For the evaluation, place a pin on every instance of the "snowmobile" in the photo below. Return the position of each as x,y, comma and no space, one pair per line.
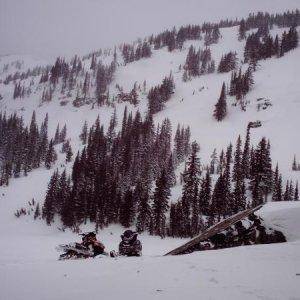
89,247
130,245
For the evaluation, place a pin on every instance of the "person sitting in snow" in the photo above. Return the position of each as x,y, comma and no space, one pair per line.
130,245
89,240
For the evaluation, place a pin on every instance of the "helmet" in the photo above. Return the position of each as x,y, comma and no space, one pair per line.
86,237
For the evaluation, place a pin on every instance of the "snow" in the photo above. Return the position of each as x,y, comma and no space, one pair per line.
29,268
28,260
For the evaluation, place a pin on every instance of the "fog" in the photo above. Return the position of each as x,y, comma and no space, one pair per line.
47,28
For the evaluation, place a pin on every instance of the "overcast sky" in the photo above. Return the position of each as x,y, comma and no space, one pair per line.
47,28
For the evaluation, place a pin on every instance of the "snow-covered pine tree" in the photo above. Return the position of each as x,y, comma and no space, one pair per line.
191,180
296,194
294,166
221,106
49,207
51,155
160,204
205,194
246,155
237,174
127,209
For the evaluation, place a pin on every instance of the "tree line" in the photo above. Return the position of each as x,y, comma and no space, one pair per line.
24,148
126,177
112,177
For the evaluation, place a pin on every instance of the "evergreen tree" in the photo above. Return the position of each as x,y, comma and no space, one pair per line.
246,156
171,172
286,195
213,162
69,154
37,211
237,166
127,209
218,206
205,195
294,166
51,156
221,106
242,30
63,134
277,193
296,194
191,180
143,213
84,133
160,204
56,139
49,207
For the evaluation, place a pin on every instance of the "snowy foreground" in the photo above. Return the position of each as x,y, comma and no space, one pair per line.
29,268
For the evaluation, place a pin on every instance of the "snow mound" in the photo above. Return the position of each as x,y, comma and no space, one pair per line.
283,216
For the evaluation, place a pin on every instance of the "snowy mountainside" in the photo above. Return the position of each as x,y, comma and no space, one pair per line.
193,101
28,258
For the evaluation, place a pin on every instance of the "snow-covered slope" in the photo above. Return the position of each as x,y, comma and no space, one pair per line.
29,269
193,101
28,266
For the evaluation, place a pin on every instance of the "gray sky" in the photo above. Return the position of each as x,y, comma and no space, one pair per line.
47,28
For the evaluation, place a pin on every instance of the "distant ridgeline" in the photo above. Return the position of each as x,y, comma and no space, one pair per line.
85,80
125,177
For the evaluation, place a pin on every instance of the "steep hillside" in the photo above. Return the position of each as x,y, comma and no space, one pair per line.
137,153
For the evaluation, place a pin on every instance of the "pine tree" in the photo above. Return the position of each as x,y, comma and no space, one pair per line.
68,209
218,206
277,193
262,174
205,195
51,156
69,154
296,194
84,133
246,156
49,207
37,212
294,166
174,222
160,204
237,166
63,134
127,209
225,183
86,85
213,162
239,196
242,30
221,106
111,132
143,213
286,195
191,180
171,172
57,136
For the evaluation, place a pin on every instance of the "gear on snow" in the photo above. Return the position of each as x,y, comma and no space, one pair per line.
89,247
